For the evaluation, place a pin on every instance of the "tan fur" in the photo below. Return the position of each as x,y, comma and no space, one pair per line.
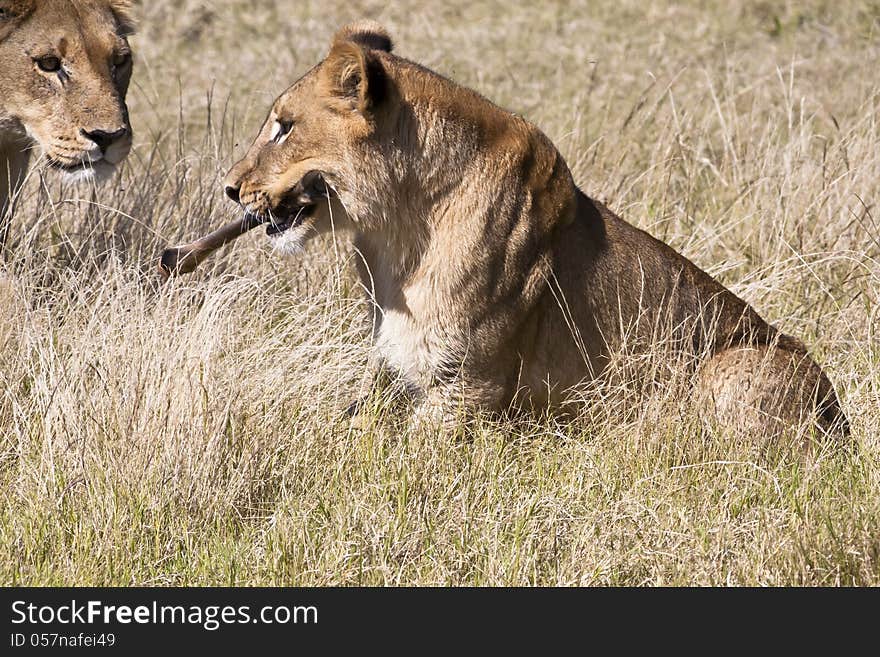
64,112
495,279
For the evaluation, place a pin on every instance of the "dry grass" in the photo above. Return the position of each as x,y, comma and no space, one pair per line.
190,434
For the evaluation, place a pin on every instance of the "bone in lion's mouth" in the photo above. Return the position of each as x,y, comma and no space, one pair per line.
298,204
276,226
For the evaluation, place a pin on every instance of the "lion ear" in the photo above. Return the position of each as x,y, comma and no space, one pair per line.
369,34
123,11
352,75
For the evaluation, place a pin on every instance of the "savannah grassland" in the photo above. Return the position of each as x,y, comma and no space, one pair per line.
191,433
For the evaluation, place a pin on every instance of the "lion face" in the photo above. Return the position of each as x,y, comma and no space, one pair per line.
304,172
65,67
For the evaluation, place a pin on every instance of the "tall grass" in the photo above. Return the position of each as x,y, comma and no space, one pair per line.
191,433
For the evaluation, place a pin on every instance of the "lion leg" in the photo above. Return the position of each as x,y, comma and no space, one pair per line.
370,378
447,406
376,385
766,391
441,408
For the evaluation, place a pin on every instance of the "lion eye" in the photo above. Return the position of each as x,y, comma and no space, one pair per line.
121,59
280,130
48,64
120,63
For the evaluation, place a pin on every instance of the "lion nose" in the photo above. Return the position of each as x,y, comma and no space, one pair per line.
233,193
104,139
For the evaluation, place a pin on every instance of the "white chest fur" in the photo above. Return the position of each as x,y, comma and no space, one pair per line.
413,336
407,348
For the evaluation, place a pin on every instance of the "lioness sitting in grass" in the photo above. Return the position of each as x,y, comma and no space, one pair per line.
65,66
497,282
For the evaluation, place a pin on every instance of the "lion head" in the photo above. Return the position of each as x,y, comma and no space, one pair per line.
309,157
65,67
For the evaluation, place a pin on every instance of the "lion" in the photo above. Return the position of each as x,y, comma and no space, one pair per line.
496,282
65,67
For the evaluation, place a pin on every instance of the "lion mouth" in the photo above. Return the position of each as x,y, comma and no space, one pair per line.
81,168
298,204
74,167
276,225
